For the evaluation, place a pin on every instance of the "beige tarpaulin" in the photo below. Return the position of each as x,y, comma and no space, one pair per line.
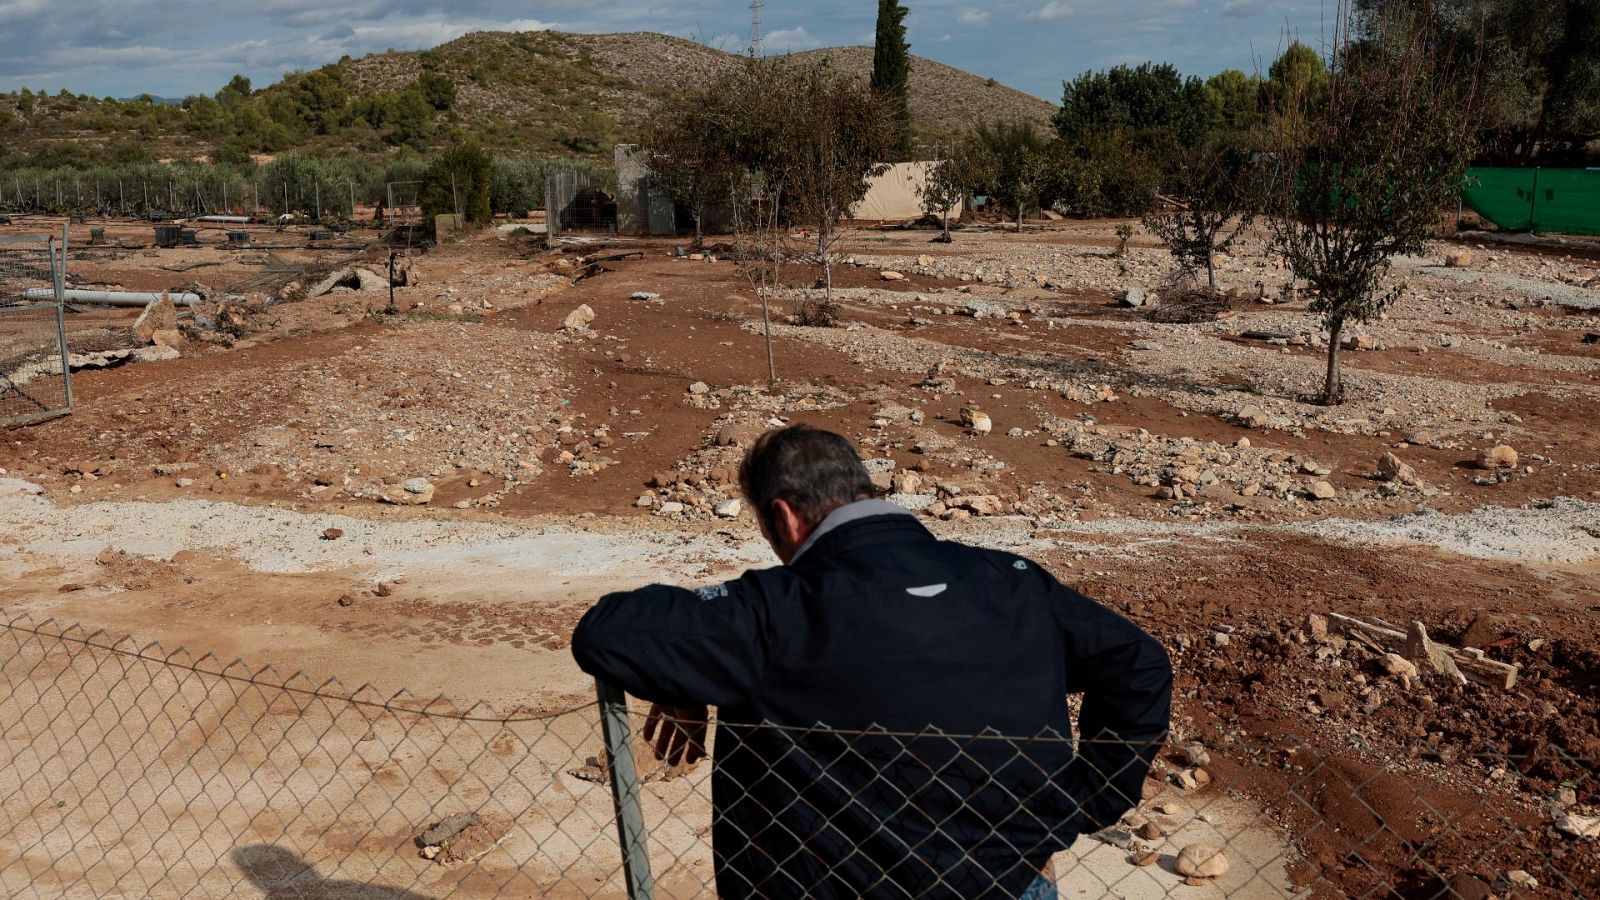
893,195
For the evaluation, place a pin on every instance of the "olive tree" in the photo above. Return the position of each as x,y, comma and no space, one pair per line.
1365,174
1215,202
950,180
836,136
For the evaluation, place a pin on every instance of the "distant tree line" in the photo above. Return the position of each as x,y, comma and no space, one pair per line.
319,186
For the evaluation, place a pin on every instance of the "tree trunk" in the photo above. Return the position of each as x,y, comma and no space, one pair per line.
1019,217
1211,270
766,324
1332,389
947,227
827,263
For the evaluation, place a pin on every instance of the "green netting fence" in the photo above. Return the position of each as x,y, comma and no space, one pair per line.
1566,201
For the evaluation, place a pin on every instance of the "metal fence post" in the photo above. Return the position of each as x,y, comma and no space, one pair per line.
618,733
59,278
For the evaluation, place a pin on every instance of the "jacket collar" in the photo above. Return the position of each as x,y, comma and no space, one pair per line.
851,513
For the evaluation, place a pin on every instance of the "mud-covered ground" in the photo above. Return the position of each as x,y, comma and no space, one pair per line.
487,472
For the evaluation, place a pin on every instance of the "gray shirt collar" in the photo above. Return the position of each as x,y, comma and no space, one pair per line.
844,515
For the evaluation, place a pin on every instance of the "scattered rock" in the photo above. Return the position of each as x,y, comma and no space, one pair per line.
976,420
729,509
739,434
415,485
1316,628
1500,456
891,275
1196,754
1390,468
699,387
1520,878
578,319
642,295
332,534
1462,886
346,600
1132,297
1253,417
1400,668
1578,826
1321,490
159,315
437,834
1428,656
1458,257
1202,861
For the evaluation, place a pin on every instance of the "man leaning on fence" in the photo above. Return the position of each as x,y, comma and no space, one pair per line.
862,689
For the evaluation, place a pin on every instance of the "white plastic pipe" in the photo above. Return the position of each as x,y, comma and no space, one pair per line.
229,220
112,298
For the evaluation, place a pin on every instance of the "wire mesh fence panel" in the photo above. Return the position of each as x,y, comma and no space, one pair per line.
576,203
34,375
130,771
829,812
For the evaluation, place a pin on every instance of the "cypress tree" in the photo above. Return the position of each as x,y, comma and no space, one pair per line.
891,71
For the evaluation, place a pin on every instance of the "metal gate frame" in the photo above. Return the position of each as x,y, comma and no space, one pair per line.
57,252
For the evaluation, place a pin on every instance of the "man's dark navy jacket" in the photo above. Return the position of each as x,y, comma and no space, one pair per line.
878,625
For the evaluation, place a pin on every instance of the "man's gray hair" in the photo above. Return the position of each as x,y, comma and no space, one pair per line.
813,470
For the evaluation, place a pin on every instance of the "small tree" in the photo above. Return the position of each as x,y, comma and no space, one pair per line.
833,140
691,146
1366,172
950,180
1020,163
1217,203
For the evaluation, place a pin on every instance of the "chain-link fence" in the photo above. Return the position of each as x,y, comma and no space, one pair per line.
35,378
575,203
131,771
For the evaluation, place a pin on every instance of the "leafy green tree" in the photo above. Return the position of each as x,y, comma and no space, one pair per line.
1367,172
1144,98
459,176
1297,81
1019,161
319,99
832,143
1105,173
594,133
437,89
690,144
1235,100
891,71
952,179
1540,76
236,91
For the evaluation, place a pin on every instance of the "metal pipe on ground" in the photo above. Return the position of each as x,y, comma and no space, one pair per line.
113,298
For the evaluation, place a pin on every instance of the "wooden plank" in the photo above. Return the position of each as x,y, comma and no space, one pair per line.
1483,671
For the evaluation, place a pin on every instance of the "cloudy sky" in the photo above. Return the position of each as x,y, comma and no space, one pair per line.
176,47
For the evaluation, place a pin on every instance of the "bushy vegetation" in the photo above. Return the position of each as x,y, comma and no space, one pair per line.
290,183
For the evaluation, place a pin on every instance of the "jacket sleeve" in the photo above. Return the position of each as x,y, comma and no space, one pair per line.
675,646
1126,682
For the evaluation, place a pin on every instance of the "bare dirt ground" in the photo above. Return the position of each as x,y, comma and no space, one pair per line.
429,499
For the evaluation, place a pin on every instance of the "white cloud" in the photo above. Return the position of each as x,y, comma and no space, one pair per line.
972,17
785,39
1054,11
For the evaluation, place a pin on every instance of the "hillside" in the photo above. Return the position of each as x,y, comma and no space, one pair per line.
536,87
528,92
